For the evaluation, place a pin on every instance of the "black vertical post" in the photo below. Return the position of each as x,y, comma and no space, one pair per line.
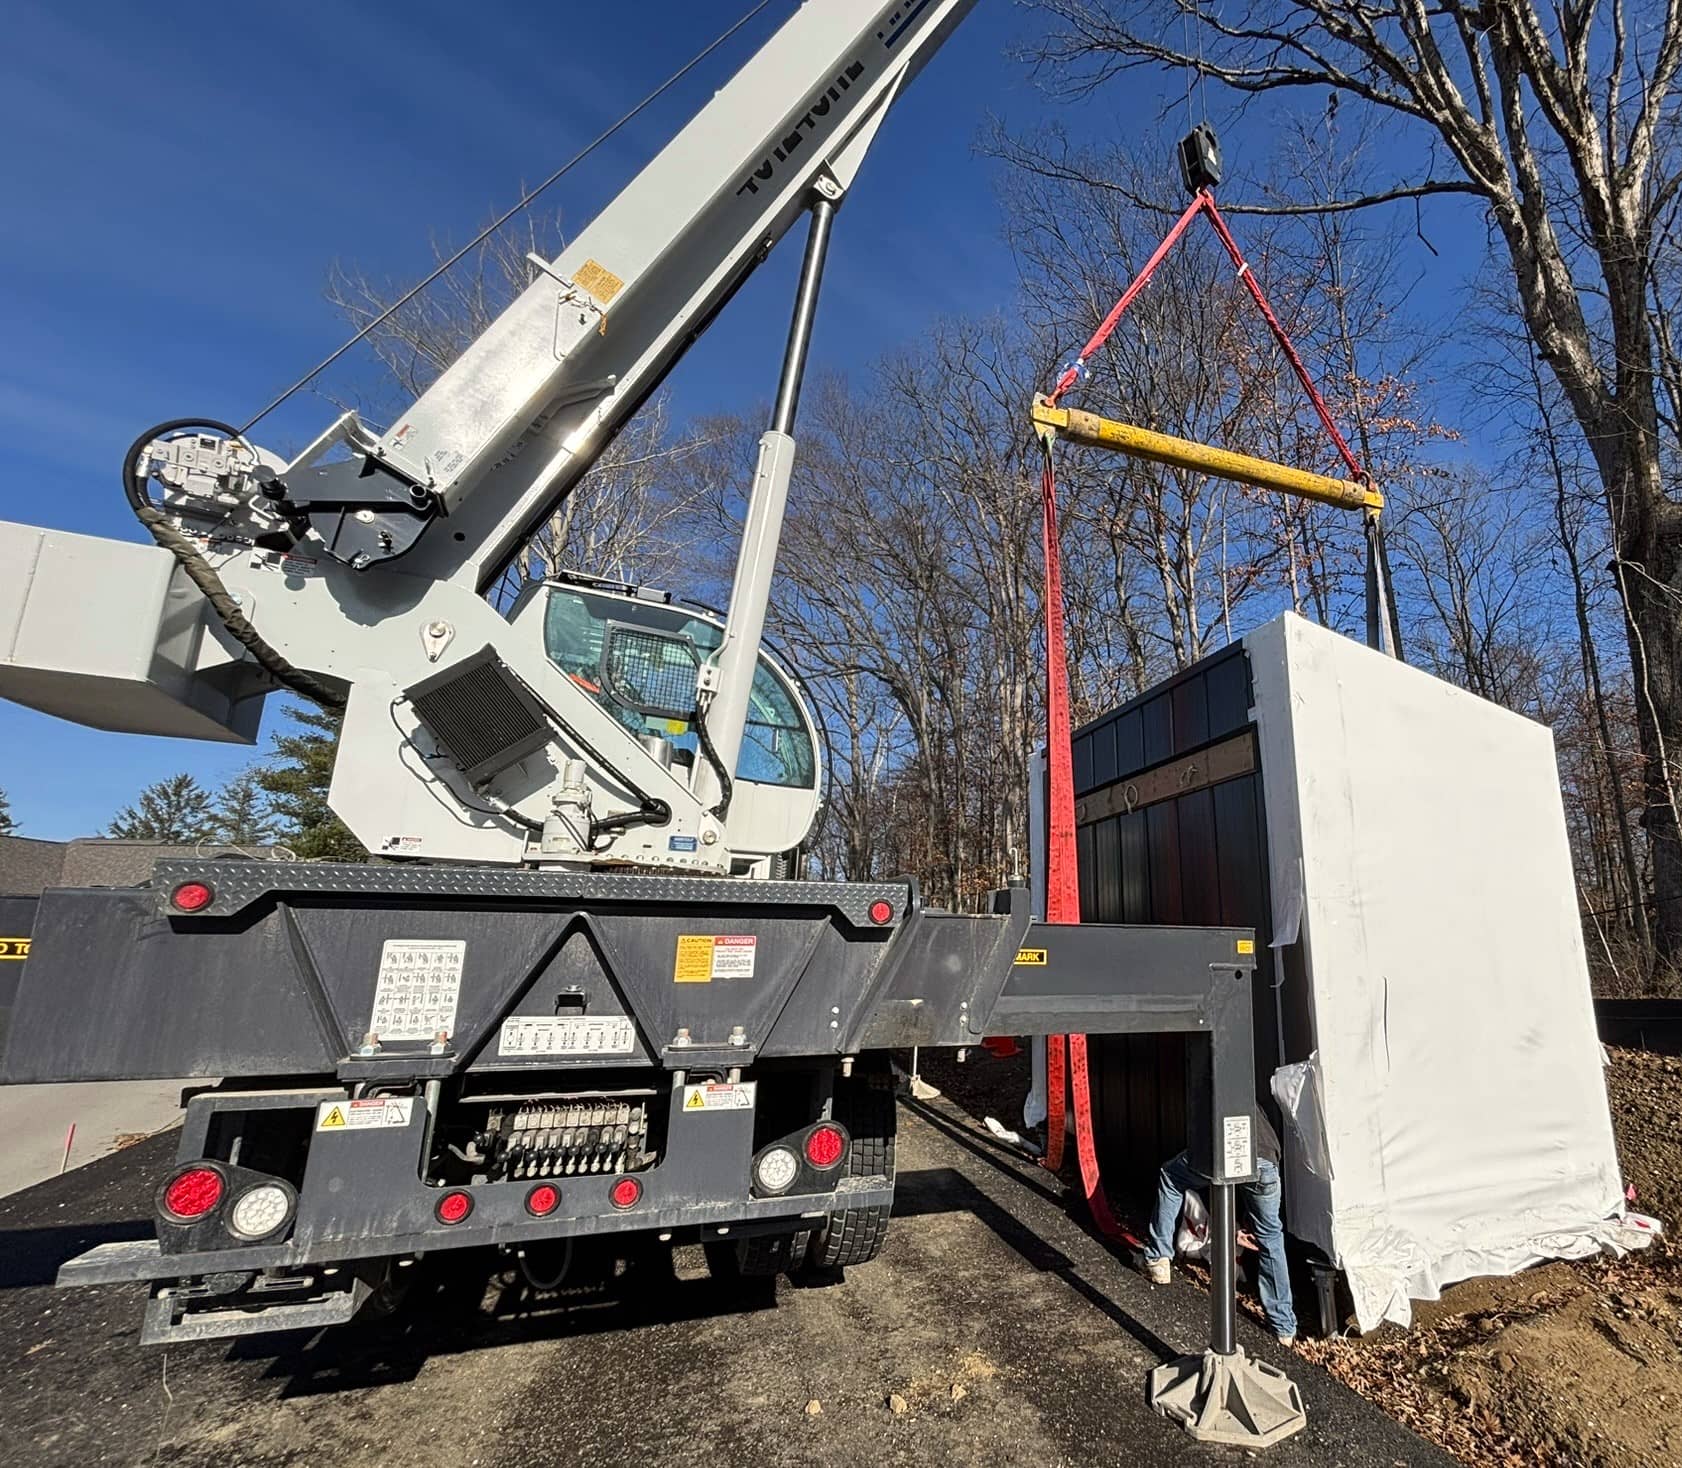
1223,1271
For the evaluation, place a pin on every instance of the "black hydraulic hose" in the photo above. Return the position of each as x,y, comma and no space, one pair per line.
203,575
726,786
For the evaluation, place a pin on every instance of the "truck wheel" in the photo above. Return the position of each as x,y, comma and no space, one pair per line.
771,1254
864,1104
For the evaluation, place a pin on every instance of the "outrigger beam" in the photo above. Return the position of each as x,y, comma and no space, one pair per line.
1180,453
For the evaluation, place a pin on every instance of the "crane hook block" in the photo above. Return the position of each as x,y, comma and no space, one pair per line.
1200,158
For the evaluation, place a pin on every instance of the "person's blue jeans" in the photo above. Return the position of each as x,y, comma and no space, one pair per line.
1260,1202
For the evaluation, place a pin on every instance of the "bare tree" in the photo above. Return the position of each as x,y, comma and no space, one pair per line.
1561,121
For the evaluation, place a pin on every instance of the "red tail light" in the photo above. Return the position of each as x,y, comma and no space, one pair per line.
192,896
453,1207
543,1200
825,1145
191,1193
626,1193
881,912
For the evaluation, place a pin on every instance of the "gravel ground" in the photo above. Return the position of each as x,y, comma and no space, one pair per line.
993,1330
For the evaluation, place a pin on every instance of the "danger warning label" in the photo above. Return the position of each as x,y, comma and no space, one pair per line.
333,1116
720,1097
703,957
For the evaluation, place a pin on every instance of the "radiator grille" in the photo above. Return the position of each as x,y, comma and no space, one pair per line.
481,715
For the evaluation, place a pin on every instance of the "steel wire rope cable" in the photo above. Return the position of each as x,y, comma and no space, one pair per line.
524,202
192,560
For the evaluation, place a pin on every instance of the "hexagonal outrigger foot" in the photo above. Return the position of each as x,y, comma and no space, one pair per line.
1228,1398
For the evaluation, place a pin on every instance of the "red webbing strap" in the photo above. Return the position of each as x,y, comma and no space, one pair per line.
1062,878
1280,335
1140,281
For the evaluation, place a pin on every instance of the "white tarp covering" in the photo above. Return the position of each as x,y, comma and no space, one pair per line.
1453,1119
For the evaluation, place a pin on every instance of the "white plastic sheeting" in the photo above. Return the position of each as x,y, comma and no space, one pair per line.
1453,1119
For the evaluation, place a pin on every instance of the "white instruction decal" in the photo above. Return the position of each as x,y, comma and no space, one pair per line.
738,1097
420,980
572,1034
352,1116
1235,1135
733,955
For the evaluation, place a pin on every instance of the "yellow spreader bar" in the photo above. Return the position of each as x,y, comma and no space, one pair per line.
1182,453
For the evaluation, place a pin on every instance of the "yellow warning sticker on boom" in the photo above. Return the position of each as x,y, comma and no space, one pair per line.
1035,956
14,948
335,1117
601,282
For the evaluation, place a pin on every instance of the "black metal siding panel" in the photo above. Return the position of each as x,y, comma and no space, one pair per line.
1191,713
1158,716
1135,870
1197,858
1228,685
1106,859
1088,873
1129,744
1200,878
1103,755
1082,751
1163,839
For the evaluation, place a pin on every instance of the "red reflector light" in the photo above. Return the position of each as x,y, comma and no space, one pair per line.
626,1192
453,1207
192,1194
824,1145
542,1200
192,896
881,912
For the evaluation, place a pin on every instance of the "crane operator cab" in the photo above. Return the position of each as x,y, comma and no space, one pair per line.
637,655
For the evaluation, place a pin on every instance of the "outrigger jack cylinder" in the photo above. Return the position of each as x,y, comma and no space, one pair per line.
1223,1396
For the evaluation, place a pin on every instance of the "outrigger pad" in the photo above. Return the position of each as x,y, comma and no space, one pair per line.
1228,1399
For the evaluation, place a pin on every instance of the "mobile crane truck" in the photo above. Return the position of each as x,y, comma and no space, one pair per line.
583,991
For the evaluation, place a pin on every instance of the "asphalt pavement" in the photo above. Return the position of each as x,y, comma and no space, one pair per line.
992,1330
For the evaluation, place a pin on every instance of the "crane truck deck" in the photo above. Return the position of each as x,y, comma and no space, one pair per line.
580,990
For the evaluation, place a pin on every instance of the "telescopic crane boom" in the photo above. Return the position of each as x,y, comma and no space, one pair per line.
594,725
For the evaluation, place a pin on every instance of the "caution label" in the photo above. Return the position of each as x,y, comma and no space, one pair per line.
720,1097
1033,956
596,278
375,1111
703,957
14,948
1246,945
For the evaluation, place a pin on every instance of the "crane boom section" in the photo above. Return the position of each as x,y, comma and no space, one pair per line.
511,425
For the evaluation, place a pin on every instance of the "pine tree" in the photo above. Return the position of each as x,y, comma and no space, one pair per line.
8,827
297,784
244,815
178,809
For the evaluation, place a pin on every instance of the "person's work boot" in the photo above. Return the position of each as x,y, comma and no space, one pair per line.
1287,1340
1159,1271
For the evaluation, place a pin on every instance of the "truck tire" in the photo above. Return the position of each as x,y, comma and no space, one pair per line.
864,1104
771,1254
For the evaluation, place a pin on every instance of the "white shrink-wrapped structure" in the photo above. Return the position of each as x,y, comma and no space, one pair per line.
1452,1119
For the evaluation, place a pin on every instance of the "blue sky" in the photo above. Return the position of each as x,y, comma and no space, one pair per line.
180,177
